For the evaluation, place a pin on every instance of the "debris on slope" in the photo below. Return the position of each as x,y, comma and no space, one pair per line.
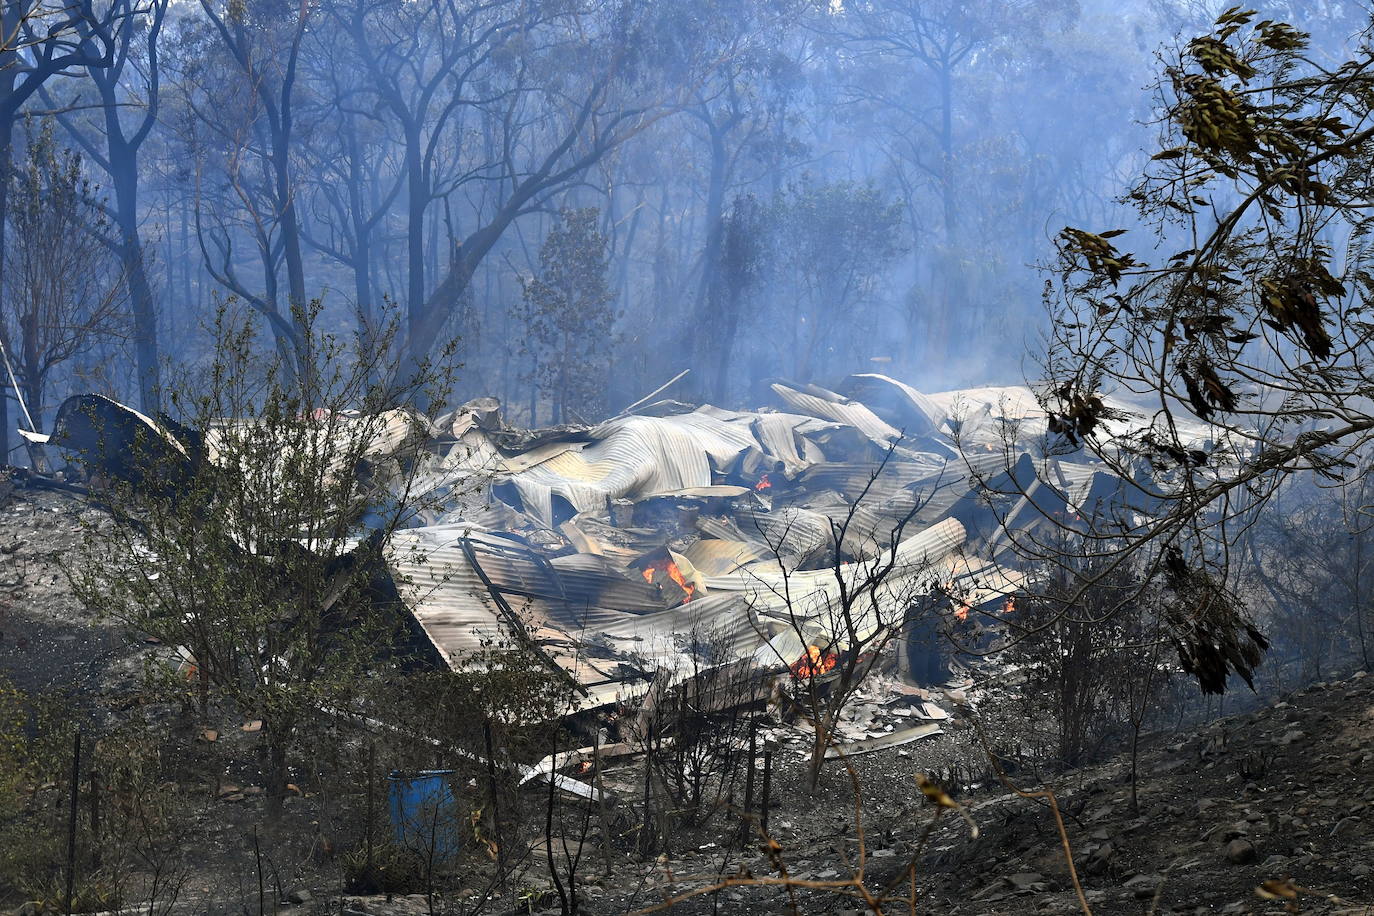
49,640
1278,795
619,552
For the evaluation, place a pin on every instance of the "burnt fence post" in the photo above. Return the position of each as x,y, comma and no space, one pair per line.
495,805
646,831
767,789
71,825
749,779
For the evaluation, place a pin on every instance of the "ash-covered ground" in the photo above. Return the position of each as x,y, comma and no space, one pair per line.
1279,794
49,642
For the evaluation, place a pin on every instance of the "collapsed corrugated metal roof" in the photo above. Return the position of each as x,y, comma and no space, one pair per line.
682,538
697,536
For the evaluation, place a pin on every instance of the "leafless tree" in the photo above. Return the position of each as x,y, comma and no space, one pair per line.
875,584
40,39
128,90
63,287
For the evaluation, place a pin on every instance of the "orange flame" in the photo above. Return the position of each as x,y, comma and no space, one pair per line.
674,573
814,663
764,483
962,610
1009,606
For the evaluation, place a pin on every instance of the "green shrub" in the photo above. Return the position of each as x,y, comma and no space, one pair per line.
393,870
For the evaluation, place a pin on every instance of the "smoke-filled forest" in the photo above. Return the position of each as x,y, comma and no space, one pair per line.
626,456
751,190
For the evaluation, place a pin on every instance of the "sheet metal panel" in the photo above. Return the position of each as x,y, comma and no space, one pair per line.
445,596
850,413
715,557
924,414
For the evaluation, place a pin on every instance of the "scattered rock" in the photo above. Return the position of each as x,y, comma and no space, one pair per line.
1241,852
1100,858
1345,825
1143,887
300,896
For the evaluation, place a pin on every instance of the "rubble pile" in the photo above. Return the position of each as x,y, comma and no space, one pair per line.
680,537
676,538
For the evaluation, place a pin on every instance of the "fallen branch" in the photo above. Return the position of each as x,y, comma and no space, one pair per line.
561,782
655,393
1048,796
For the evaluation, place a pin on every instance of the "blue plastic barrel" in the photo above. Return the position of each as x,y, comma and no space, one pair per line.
424,813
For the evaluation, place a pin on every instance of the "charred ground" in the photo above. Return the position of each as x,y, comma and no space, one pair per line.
1273,794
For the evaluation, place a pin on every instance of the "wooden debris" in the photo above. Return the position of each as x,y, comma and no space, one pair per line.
895,739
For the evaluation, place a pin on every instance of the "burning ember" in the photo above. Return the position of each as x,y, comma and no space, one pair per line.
814,663
1009,606
669,567
962,610
763,484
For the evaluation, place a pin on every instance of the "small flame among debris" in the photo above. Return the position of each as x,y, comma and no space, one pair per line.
814,663
669,567
962,610
1009,606
763,484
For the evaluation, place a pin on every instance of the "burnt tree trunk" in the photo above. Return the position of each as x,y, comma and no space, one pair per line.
708,336
124,178
417,201
6,151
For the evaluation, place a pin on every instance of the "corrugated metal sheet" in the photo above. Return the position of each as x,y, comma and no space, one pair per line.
791,531
853,478
1074,480
641,456
849,413
446,596
715,557
923,415
779,435
536,456
811,598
